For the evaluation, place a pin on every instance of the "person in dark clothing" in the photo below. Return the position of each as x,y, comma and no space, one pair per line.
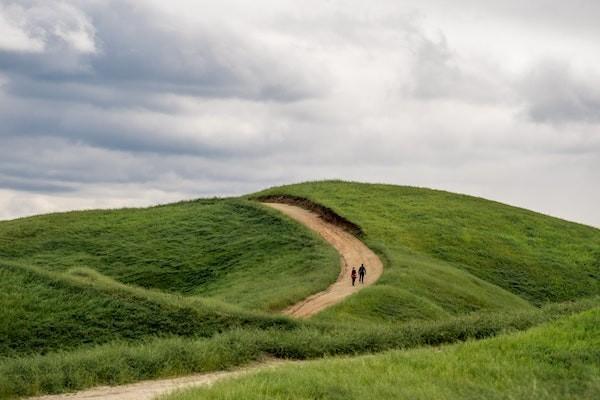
353,275
362,271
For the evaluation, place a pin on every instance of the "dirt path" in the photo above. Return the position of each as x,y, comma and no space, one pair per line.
148,390
352,251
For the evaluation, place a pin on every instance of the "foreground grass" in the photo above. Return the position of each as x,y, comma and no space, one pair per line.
448,254
120,363
560,360
230,250
41,311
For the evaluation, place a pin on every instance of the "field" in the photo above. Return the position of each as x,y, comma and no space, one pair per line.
559,360
119,363
117,296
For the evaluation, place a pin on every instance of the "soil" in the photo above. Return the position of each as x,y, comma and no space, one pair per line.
352,251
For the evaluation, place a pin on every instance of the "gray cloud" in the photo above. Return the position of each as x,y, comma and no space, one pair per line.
111,103
36,186
555,94
137,49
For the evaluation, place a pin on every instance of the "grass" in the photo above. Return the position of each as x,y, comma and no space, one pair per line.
119,363
559,360
230,250
43,311
416,287
449,254
117,296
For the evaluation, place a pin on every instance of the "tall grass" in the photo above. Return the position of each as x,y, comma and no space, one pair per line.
560,360
120,363
44,311
231,250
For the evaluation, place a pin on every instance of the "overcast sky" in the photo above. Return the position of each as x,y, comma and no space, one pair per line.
127,103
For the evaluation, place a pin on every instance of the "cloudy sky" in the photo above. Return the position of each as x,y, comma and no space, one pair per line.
109,103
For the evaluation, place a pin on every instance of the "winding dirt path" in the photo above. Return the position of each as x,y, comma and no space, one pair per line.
148,390
352,251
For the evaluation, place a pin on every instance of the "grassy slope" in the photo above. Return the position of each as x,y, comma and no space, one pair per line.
42,311
119,363
448,254
231,250
215,248
555,361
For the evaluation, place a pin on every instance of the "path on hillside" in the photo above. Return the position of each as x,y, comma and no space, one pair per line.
352,251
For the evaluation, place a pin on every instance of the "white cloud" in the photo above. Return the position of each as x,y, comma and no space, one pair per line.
555,92
79,37
13,36
131,103
38,26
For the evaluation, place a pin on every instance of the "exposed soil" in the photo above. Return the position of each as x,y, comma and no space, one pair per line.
147,390
353,252
326,213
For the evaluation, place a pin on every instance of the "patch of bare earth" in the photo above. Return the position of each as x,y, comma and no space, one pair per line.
352,251
147,390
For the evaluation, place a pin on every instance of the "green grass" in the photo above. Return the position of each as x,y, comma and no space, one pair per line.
116,296
560,360
86,278
43,311
231,250
119,363
449,254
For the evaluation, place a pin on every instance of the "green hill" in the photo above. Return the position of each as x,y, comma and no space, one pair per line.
79,278
230,250
560,360
115,296
448,254
42,311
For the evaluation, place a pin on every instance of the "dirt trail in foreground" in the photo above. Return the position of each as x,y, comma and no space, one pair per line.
148,390
352,251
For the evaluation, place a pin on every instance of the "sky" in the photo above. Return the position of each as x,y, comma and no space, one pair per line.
107,103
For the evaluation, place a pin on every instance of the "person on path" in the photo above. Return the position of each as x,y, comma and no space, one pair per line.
362,271
353,275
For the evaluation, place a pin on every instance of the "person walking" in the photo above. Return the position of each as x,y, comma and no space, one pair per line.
353,275
362,271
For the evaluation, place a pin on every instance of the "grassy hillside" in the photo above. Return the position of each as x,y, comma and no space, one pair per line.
119,363
448,254
42,311
109,297
230,250
560,360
